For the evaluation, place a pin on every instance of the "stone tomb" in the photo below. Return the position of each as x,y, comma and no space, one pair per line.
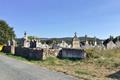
73,53
117,43
111,45
63,45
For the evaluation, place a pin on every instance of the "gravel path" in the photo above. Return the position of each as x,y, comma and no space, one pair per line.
12,69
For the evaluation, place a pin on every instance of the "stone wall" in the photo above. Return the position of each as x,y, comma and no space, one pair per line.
31,53
34,54
42,54
8,49
72,53
51,52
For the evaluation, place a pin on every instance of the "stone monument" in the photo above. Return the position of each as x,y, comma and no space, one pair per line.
95,41
86,46
117,43
26,42
13,45
86,41
75,42
63,44
110,44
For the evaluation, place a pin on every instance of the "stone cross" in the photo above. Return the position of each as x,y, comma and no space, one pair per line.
25,33
75,34
85,37
111,38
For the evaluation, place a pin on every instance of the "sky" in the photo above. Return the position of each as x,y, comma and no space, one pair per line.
61,18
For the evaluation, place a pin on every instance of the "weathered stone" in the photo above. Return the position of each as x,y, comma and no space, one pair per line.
117,43
33,44
95,41
45,46
75,42
13,49
55,46
36,54
63,45
73,53
9,43
26,42
111,45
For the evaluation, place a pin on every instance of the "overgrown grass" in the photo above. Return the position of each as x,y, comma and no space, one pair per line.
107,58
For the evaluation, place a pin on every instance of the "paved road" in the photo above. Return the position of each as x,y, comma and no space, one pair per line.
11,69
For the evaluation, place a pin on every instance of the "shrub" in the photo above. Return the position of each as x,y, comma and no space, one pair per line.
1,47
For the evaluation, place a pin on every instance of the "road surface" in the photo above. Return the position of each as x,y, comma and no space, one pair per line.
12,69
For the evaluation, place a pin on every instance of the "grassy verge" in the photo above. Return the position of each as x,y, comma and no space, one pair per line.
97,66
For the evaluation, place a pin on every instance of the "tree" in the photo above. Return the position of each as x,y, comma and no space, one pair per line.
6,32
33,37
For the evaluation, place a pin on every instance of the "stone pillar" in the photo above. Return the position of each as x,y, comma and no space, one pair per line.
26,42
13,46
13,49
44,56
9,43
95,41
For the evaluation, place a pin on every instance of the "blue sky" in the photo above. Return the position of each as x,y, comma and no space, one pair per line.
61,18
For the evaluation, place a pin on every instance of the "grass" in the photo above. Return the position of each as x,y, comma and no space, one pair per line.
97,65
82,71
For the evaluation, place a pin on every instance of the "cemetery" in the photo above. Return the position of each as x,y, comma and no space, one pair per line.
92,56
35,49
84,58
98,65
59,40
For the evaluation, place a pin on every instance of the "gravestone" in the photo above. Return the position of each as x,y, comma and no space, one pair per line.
45,46
64,44
75,42
86,46
95,41
111,44
117,43
54,45
33,44
38,44
102,46
26,42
